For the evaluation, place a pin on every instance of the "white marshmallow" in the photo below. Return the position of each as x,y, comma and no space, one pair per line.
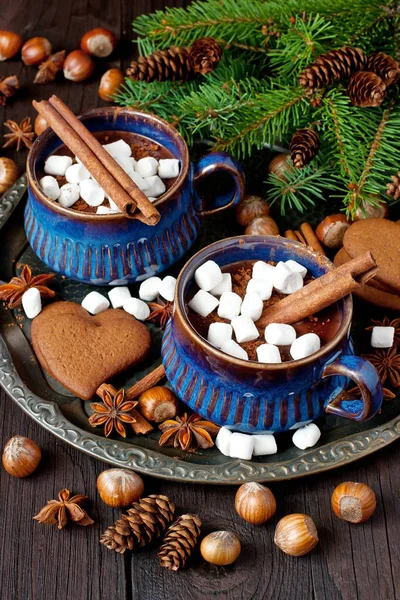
50,186
223,286
118,148
105,210
168,168
113,207
78,160
149,289
262,287
69,194
137,308
285,280
306,437
91,192
244,328
151,198
305,345
143,184
280,334
382,337
223,440
32,303
125,162
147,166
233,349
118,295
203,303
241,446
264,444
268,353
262,270
252,306
229,305
76,173
296,267
155,186
95,303
219,333
208,275
167,288
57,165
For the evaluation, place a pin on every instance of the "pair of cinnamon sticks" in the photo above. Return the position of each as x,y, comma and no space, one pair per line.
117,184
305,236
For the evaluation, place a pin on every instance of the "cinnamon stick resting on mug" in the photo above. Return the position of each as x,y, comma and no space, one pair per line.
321,292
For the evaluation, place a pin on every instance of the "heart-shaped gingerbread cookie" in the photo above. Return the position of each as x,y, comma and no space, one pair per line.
83,351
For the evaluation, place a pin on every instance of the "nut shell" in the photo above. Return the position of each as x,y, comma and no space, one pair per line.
353,502
255,503
220,548
250,208
379,210
10,43
99,42
331,230
35,50
78,66
280,166
21,456
40,125
158,404
8,173
119,487
262,226
296,534
110,83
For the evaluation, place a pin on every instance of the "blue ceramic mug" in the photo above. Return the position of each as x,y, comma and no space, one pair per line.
110,249
249,396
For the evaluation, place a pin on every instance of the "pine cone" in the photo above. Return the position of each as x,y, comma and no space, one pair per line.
366,89
145,521
205,55
179,541
393,189
385,66
332,66
303,147
163,65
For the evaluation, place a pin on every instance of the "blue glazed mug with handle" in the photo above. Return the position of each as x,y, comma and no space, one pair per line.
252,397
110,249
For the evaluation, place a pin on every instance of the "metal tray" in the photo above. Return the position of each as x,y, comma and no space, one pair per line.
67,417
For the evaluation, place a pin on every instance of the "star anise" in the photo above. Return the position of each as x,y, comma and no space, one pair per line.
386,322
21,135
113,412
8,87
387,364
59,511
49,68
13,291
161,312
188,433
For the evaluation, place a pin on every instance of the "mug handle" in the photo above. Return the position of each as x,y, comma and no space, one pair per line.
365,376
220,161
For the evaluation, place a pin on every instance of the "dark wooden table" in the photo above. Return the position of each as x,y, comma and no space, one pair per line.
38,562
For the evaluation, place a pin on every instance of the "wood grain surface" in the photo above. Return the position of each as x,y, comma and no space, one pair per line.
38,562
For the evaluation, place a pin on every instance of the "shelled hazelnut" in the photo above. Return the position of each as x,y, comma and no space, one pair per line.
158,404
220,548
10,43
21,456
8,173
353,502
331,230
99,42
78,66
110,83
296,535
35,50
262,226
250,208
119,487
255,503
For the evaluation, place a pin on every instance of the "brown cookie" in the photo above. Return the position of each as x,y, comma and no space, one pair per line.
83,351
382,238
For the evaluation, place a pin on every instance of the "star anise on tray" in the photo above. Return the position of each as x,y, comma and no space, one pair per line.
8,87
21,135
13,291
58,512
387,364
113,412
49,68
188,433
161,312
386,322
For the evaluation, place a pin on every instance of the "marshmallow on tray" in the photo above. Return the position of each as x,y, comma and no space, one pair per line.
241,446
118,295
95,303
91,192
137,308
252,306
50,187
147,166
219,333
69,194
229,305
244,328
118,148
233,349
149,289
32,303
223,440
168,168
203,303
268,353
285,280
225,285
262,270
305,345
76,173
262,287
208,275
57,165
280,334
382,337
167,288
264,444
296,267
306,437
156,186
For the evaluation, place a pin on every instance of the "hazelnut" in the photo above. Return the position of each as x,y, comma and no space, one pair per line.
296,535
220,548
78,66
40,125
377,209
331,230
21,456
110,83
35,50
280,166
10,43
119,487
255,503
250,208
262,226
158,404
353,502
99,42
8,173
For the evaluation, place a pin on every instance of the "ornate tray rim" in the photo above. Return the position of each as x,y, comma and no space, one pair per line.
317,460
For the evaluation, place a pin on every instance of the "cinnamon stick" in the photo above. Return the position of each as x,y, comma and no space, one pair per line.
300,238
310,238
141,426
321,292
291,235
147,382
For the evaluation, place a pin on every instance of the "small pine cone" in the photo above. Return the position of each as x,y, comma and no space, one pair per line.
332,66
393,189
385,66
303,147
163,65
205,55
179,541
366,89
144,522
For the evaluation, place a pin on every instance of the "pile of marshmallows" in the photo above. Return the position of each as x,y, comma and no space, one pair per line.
286,277
148,174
